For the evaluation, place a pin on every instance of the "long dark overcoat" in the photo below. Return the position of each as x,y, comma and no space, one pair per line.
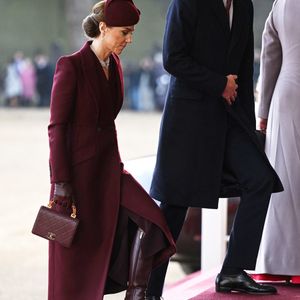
199,51
84,152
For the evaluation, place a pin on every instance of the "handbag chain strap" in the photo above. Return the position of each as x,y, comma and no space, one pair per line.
74,209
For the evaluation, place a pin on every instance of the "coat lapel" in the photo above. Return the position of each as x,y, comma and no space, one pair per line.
120,83
220,12
90,71
239,18
89,65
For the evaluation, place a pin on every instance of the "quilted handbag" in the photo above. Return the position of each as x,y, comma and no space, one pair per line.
56,226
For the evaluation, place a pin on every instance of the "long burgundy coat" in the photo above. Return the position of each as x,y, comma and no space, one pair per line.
84,152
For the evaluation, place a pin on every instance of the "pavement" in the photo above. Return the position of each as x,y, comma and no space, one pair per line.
24,187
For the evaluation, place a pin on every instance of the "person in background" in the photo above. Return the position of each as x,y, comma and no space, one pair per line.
132,79
13,88
122,233
146,85
44,75
279,117
28,78
162,79
208,130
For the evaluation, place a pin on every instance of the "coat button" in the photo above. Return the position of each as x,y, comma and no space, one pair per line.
99,129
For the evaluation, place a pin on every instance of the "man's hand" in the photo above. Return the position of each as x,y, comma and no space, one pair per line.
230,92
263,125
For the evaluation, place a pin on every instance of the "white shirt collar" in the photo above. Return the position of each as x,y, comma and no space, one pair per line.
230,12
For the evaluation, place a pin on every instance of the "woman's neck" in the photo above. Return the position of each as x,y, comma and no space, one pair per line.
100,50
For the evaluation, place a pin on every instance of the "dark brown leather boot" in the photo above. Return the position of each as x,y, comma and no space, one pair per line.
139,271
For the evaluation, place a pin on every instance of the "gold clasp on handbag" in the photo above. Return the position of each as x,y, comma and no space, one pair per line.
50,204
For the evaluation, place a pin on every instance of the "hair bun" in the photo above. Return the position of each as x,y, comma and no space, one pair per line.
90,24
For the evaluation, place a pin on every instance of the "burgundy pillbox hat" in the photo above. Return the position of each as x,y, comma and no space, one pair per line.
121,13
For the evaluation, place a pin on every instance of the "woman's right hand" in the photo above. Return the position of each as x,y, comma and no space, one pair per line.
263,125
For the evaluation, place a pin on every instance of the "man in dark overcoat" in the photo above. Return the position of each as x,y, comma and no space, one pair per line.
208,147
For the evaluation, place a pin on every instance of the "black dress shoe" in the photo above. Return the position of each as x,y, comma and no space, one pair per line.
153,298
243,283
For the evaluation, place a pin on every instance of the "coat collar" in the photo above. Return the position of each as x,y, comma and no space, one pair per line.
89,64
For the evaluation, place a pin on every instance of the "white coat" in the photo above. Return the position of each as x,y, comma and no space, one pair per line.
280,104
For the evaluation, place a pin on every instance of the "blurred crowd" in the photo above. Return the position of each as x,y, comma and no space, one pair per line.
146,84
27,82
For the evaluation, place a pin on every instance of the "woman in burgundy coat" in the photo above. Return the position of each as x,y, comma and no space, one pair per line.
122,234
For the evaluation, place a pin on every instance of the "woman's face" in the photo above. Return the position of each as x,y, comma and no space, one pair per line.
116,39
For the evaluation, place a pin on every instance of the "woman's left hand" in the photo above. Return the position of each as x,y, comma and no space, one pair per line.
263,125
63,189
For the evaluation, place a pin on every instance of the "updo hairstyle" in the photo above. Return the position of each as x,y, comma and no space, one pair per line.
90,24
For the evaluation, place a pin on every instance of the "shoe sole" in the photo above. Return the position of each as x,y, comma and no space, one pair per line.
230,290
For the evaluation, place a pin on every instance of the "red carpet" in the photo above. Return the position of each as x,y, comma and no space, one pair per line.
199,286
